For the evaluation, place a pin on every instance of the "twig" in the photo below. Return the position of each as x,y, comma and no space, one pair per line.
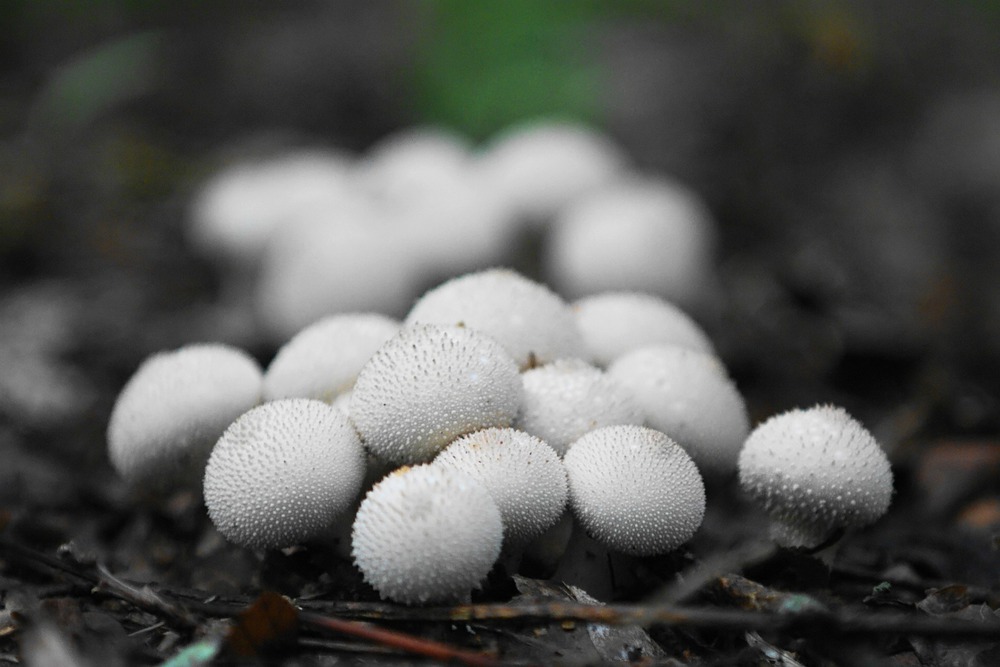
405,642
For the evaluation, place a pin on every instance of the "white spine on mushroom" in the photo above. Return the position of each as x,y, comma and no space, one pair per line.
426,534
634,489
522,473
688,395
569,397
429,385
323,360
813,471
527,318
615,323
283,473
174,408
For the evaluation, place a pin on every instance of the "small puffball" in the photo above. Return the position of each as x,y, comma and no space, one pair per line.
533,323
613,323
429,385
634,489
688,395
569,397
643,235
426,534
540,167
323,360
813,471
523,475
240,208
174,407
283,473
412,164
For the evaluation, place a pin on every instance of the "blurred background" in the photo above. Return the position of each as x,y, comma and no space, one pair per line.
848,152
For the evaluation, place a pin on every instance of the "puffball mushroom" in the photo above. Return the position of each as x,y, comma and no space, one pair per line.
614,323
533,323
283,473
815,471
522,473
568,397
427,386
174,407
641,234
634,489
539,167
426,534
689,396
323,360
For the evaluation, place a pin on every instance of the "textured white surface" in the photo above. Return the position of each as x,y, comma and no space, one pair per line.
283,473
569,397
540,167
174,407
614,323
688,395
426,534
644,235
429,385
634,489
525,317
522,473
323,360
815,470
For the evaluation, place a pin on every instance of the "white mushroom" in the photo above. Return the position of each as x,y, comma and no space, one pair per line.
429,385
815,471
426,534
689,396
283,473
646,235
523,475
569,397
528,319
634,489
323,360
614,323
174,407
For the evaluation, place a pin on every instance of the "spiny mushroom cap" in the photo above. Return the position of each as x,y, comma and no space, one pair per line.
522,473
815,470
541,166
643,235
283,473
614,323
323,360
426,534
239,209
174,407
527,318
688,395
429,385
634,489
569,397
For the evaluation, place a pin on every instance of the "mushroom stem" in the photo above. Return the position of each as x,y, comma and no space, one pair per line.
591,566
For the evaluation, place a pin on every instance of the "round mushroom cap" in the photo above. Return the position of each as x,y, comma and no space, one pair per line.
689,396
523,475
240,208
283,473
426,534
427,386
813,471
539,167
569,397
634,489
533,323
644,235
174,407
323,360
614,323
